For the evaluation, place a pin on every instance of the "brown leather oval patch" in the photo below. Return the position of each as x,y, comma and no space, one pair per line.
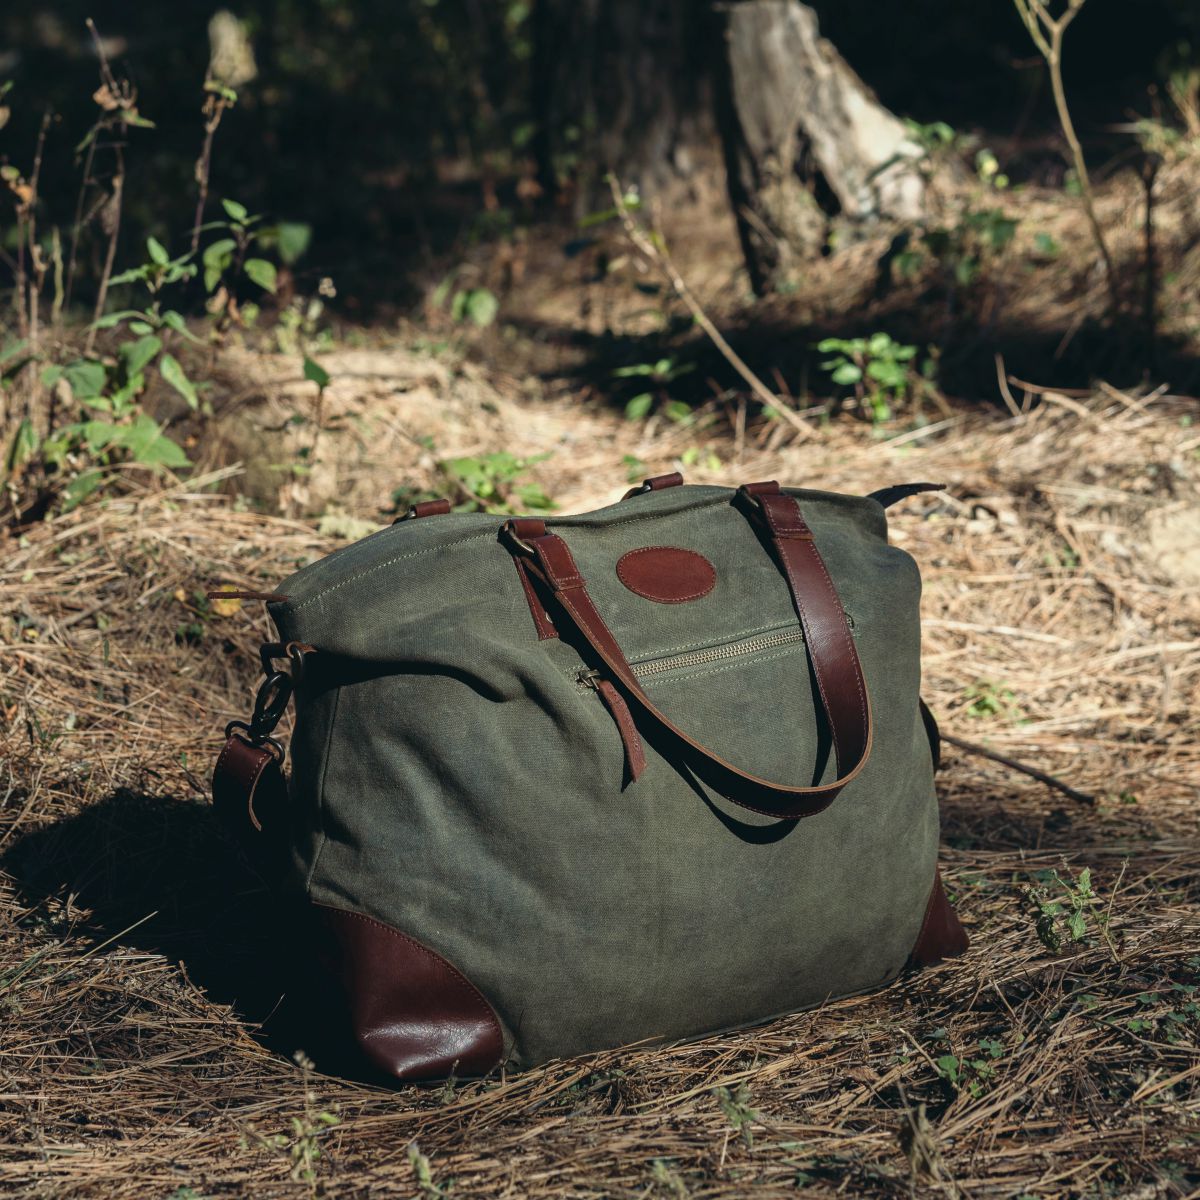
667,574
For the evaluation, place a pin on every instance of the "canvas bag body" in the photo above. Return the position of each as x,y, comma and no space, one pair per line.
460,799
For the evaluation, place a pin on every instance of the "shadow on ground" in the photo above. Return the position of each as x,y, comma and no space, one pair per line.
158,874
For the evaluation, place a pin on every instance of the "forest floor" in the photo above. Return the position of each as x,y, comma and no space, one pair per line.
1062,628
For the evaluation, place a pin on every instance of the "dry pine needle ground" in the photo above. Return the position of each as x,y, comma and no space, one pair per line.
1062,629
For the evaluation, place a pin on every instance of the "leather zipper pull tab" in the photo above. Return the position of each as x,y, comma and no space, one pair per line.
635,754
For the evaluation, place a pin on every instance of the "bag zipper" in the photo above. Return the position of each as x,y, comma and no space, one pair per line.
698,658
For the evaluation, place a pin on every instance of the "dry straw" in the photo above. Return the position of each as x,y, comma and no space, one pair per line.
1062,628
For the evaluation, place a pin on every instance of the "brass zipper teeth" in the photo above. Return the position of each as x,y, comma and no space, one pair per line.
697,658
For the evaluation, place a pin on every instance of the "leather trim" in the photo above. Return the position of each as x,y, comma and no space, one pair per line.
656,483
413,1014
635,752
248,789
831,650
667,574
942,935
537,610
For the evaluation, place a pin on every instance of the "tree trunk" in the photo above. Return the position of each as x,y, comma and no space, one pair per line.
619,85
804,139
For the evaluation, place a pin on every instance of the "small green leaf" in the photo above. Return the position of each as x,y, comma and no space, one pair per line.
86,378
173,373
22,448
173,320
216,258
847,373
262,272
80,488
292,238
639,407
138,355
12,350
148,445
316,373
115,318
481,307
158,252
99,434
235,211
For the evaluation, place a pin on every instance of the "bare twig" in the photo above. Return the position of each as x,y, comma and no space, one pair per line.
653,248
1023,768
1047,34
215,104
113,220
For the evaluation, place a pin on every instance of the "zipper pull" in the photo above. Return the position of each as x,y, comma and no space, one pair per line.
635,754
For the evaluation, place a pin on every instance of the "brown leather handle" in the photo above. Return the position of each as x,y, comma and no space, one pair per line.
656,483
831,651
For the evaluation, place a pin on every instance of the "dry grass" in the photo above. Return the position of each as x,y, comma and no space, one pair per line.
132,947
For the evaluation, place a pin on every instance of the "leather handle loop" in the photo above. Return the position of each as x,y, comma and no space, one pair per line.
656,483
831,651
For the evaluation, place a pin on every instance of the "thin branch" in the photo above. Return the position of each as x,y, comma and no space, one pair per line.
114,220
1047,34
1024,769
215,105
653,248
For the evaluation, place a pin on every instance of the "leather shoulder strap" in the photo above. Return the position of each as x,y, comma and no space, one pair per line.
842,686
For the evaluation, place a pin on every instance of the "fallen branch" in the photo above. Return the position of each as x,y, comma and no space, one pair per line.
1014,765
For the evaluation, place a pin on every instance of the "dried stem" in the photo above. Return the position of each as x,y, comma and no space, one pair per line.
215,105
1047,34
36,260
77,223
653,248
113,209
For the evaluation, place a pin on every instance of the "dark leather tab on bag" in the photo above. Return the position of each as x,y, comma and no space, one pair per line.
249,796
412,1014
942,935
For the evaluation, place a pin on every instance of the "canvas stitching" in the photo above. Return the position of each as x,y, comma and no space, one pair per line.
322,835
478,537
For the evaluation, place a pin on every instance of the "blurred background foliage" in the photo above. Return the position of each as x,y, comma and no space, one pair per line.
395,128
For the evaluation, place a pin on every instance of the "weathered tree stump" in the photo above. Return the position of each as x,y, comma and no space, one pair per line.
805,139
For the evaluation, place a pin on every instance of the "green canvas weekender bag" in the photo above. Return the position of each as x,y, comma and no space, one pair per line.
568,783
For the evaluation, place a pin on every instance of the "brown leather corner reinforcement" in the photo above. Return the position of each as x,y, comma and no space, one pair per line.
942,935
413,1014
667,574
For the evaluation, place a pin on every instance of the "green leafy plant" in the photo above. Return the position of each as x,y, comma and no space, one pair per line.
1066,910
736,1107
493,483
972,1074
656,379
880,371
987,699
476,305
